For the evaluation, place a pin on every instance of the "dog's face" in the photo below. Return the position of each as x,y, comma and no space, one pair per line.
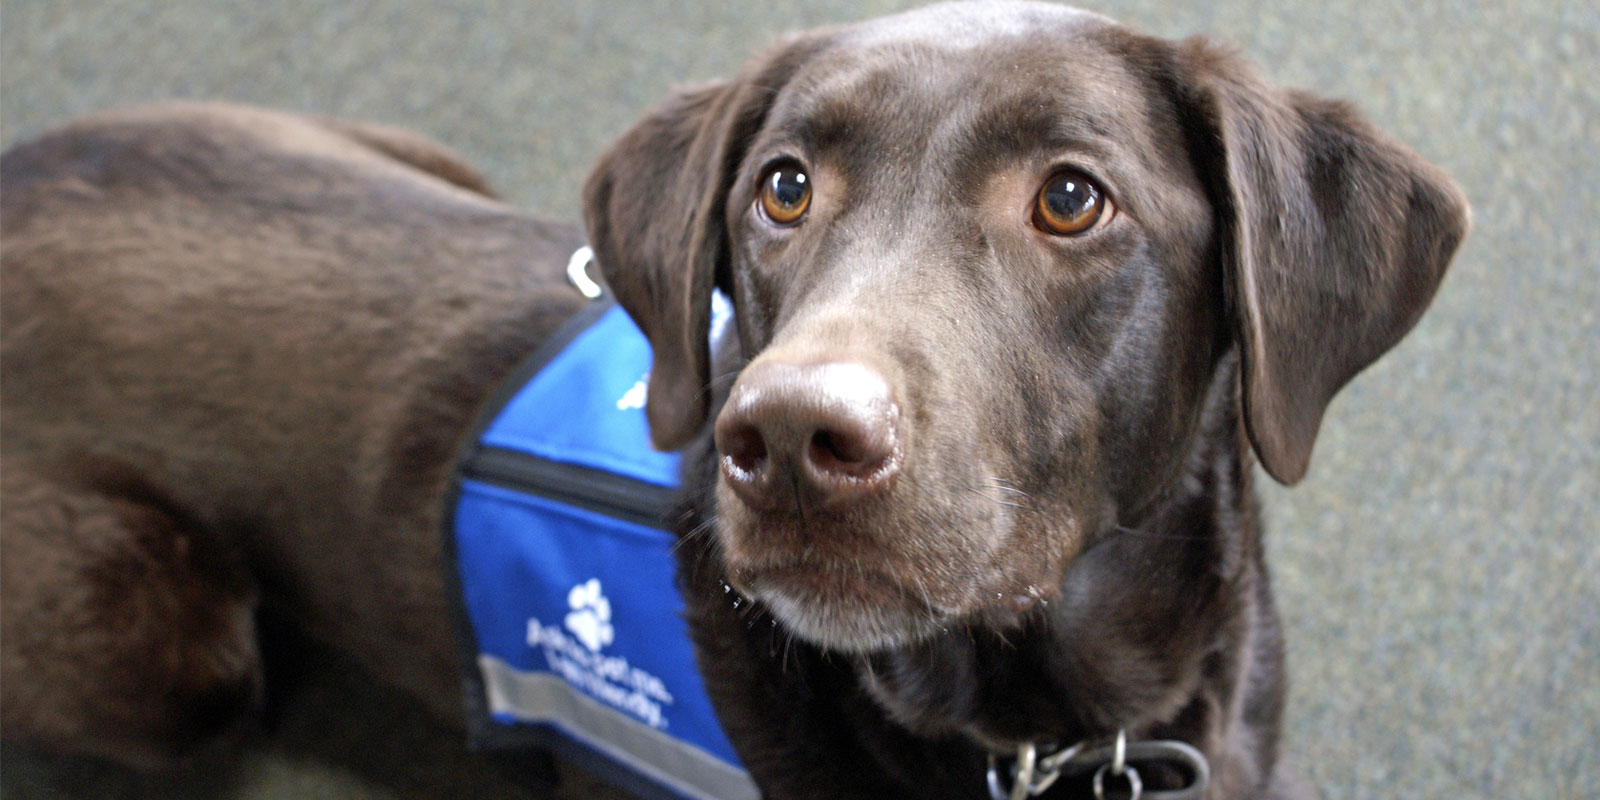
986,259
989,224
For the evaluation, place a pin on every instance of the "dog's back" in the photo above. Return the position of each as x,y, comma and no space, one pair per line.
239,347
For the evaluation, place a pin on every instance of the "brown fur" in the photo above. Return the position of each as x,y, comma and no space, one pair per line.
240,348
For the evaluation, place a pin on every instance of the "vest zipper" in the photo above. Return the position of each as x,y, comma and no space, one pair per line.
595,490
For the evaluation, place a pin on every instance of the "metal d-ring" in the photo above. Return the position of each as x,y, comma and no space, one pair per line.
1135,786
1118,766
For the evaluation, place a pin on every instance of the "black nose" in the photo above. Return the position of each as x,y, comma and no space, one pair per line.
818,434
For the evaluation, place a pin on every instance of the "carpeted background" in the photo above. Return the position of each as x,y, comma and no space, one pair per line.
1439,571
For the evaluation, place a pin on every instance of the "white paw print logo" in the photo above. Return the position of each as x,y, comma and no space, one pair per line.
635,396
590,618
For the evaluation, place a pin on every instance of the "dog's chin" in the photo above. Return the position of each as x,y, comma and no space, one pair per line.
843,613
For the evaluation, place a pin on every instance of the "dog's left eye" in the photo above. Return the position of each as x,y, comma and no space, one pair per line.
785,194
1070,203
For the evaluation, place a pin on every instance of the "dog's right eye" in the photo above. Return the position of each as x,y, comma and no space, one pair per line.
1070,203
785,194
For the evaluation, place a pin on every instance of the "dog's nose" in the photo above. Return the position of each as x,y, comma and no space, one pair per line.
811,434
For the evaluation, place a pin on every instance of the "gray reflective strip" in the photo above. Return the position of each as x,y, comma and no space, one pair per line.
542,697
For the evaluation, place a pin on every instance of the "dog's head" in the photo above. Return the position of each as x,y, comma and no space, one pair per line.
986,260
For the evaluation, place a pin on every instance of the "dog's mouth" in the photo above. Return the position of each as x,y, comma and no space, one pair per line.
879,577
863,590
847,608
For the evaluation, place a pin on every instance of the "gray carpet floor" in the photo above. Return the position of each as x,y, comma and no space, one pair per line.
1439,570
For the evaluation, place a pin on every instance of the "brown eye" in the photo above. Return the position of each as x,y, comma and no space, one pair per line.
785,194
1069,203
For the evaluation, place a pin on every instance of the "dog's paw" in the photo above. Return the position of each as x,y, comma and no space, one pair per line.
590,618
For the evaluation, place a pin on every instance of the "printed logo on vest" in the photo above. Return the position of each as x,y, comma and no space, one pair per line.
590,619
635,396
578,660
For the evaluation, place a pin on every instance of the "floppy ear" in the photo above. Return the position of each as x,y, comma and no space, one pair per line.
1333,238
655,209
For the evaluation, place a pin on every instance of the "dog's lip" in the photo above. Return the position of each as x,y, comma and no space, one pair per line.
826,583
839,608
841,587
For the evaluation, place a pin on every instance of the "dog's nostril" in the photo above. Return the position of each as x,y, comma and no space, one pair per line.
825,447
745,449
836,452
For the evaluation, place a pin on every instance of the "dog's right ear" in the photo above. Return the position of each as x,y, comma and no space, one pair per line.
655,209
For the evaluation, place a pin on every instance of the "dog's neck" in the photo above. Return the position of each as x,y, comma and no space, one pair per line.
1137,639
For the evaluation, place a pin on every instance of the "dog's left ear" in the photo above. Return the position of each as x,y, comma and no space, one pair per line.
1333,238
655,208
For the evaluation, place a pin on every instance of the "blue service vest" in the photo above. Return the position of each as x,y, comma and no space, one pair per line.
572,624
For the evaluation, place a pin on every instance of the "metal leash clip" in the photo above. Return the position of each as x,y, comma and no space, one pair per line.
1032,776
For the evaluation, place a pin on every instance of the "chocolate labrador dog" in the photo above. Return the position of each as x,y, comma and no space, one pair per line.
1021,297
